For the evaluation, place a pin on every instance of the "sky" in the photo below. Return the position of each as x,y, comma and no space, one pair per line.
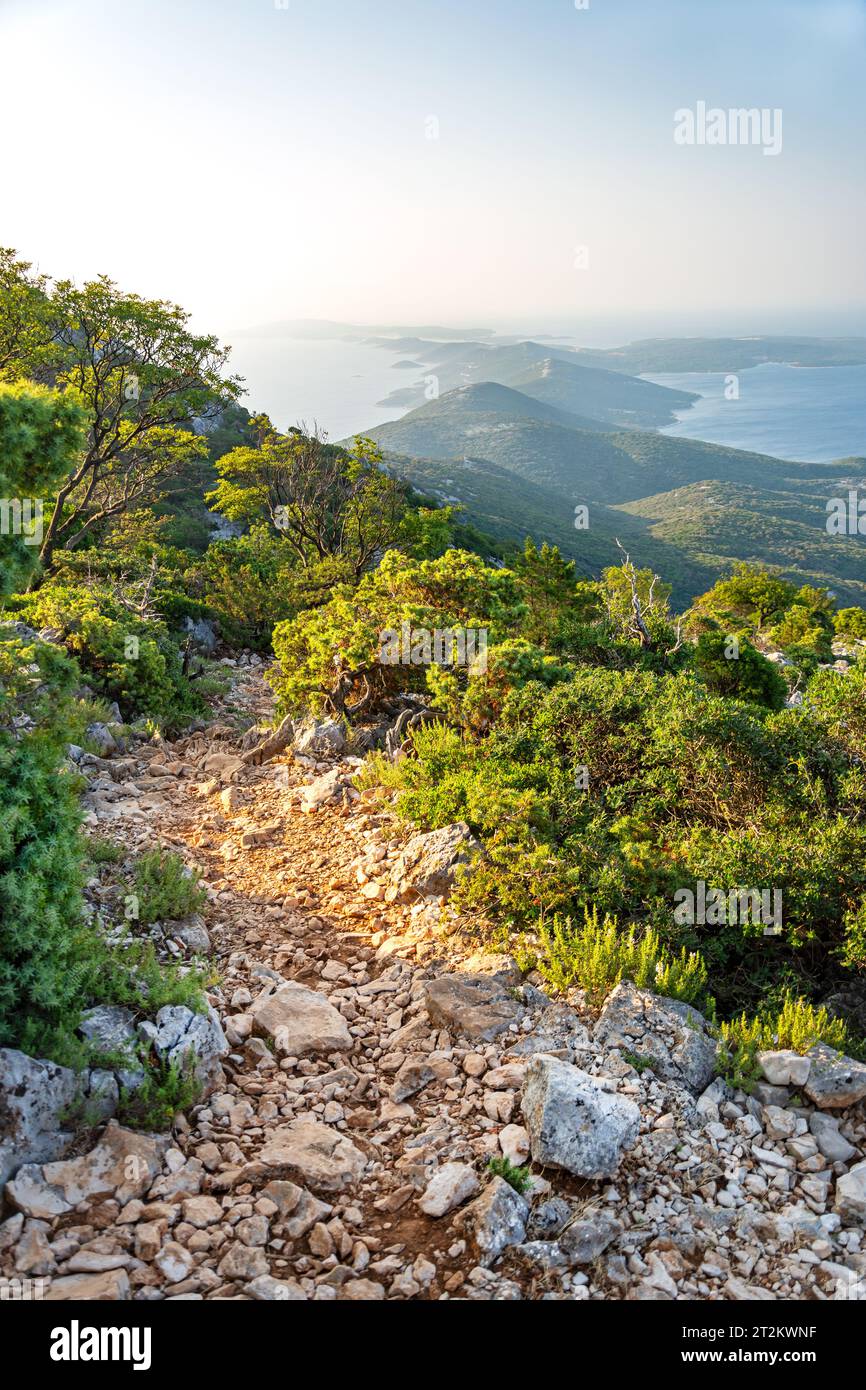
503,162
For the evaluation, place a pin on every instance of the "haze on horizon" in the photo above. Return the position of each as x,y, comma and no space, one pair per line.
414,162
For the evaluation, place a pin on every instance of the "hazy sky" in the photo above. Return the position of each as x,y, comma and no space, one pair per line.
257,163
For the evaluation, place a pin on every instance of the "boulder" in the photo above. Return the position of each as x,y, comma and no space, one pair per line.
36,1098
573,1123
785,1068
110,1287
450,1186
300,1021
121,1166
330,787
674,1036
477,1007
310,1153
833,1145
321,740
428,863
179,1036
835,1081
495,1220
110,1028
192,932
851,1195
585,1239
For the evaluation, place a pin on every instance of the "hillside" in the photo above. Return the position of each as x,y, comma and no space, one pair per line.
725,354
549,374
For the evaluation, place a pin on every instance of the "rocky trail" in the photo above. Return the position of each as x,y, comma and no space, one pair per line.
366,1067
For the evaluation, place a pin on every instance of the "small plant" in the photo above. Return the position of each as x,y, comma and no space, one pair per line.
518,1178
640,1064
797,1027
103,851
170,1088
166,889
596,956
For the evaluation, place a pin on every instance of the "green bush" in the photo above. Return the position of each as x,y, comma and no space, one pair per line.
596,956
165,889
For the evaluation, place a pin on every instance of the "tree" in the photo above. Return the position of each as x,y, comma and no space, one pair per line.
41,434
325,501
25,329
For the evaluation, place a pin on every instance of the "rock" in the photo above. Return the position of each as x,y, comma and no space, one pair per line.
312,1153
192,934
549,1218
572,1122
111,1029
202,634
35,1098
514,1143
427,865
835,1081
851,1195
225,767
323,740
785,1068
449,1187
363,1291
674,1036
330,787
833,1145
269,1290
496,1219
100,734
243,1262
202,1211
180,1036
110,1287
584,1240
412,1077
121,1166
300,1021
33,1255
173,1262
473,1006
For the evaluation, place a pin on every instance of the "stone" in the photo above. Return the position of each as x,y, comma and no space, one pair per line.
412,1077
473,1006
363,1291
833,1145
173,1262
110,1287
319,792
35,1098
449,1187
33,1255
320,740
427,865
300,1021
835,1081
850,1200
585,1239
674,1036
315,1154
785,1068
514,1143
202,1211
121,1166
269,1290
111,1029
573,1123
192,934
495,1220
245,1262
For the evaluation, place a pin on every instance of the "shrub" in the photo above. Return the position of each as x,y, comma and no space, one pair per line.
518,1178
167,891
597,956
745,675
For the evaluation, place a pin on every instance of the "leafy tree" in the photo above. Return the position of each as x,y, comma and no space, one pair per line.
325,501
40,435
141,377
25,329
751,595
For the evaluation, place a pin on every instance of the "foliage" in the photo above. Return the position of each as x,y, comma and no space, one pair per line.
166,890
518,1178
596,956
168,1089
730,665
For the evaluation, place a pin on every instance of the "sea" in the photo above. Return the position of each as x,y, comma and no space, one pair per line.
812,414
